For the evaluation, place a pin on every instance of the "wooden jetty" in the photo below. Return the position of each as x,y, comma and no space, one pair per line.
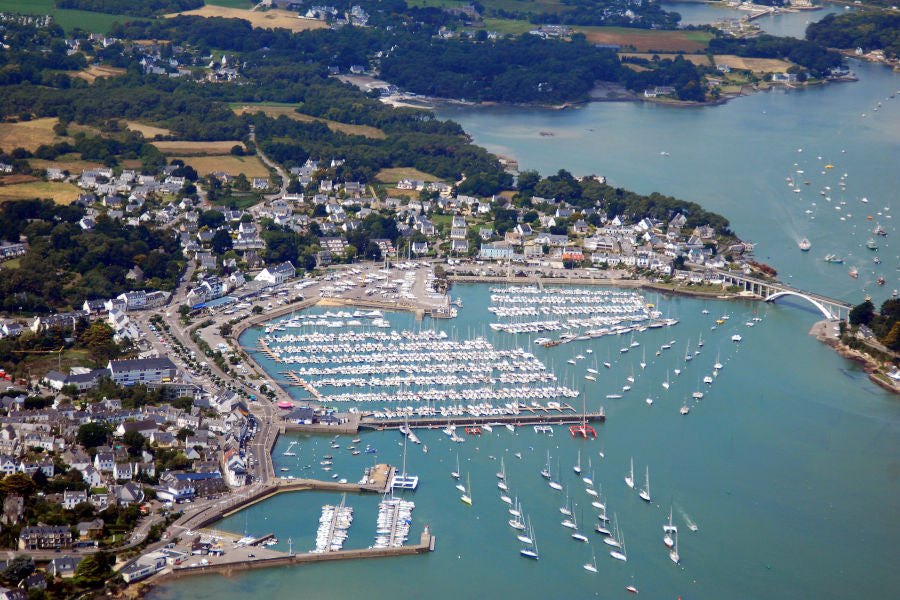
438,421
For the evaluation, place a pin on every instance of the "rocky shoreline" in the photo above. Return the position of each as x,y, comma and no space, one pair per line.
868,364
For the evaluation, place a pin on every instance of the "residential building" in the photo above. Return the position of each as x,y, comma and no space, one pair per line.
142,370
45,537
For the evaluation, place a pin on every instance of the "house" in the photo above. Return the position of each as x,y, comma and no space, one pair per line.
45,537
129,493
278,274
498,251
145,566
90,530
122,471
142,370
104,462
485,233
92,477
459,246
458,233
419,248
63,566
73,497
260,183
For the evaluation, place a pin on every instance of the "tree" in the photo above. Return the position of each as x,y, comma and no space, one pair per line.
18,483
91,435
18,569
862,314
221,242
94,568
134,440
183,433
98,338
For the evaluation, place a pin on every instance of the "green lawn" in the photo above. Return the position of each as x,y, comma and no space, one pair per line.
68,19
508,26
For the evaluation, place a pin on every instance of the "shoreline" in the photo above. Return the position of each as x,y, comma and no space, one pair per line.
820,331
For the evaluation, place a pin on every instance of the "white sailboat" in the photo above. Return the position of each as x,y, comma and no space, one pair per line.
526,538
532,551
629,480
669,531
577,467
665,383
556,485
591,566
589,480
467,496
455,474
645,493
578,536
502,474
545,473
565,509
644,359
673,555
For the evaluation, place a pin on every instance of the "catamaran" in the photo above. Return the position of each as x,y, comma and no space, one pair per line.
629,479
645,493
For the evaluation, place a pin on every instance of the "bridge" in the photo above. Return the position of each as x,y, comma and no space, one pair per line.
771,291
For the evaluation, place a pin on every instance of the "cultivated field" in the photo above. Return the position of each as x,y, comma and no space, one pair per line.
396,174
270,19
67,162
28,134
276,111
61,193
95,71
148,131
757,65
194,148
233,165
64,17
697,59
647,40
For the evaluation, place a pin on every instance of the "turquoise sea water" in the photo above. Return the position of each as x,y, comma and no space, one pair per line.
789,466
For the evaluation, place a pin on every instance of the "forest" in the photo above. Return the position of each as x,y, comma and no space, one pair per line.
65,264
885,324
137,8
869,30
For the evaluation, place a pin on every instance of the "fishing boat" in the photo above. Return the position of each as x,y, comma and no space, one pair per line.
467,496
804,245
669,531
872,244
649,401
834,259
629,479
880,281
645,492
879,230
854,273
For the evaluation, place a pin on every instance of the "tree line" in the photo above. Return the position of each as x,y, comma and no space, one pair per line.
869,30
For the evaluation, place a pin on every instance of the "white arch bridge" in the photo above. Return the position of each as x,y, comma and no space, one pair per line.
771,291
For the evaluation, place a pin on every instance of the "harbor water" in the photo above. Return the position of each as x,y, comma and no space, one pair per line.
787,467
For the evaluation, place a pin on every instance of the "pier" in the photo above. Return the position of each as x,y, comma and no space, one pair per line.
438,422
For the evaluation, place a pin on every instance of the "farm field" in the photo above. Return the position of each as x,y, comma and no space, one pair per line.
233,165
396,174
61,193
95,71
68,19
28,134
270,19
194,148
148,131
276,110
67,162
648,40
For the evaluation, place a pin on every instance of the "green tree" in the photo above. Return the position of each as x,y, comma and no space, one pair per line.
91,435
183,433
98,339
18,483
18,569
221,242
134,441
94,568
863,313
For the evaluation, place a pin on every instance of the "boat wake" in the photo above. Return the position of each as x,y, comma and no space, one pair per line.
688,521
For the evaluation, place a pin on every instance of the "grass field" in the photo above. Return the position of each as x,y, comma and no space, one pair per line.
536,6
67,162
195,148
648,40
232,3
148,131
697,59
28,134
270,19
67,19
233,165
276,110
508,26
757,65
61,193
396,174
95,71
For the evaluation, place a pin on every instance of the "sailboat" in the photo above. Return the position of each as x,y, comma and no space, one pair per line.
455,474
668,531
698,395
467,496
629,480
516,523
403,481
717,366
616,541
555,484
591,566
526,538
565,508
673,555
687,351
502,474
644,359
601,527
645,493
589,480
545,473
665,383
700,341
578,536
684,408
577,467
531,552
